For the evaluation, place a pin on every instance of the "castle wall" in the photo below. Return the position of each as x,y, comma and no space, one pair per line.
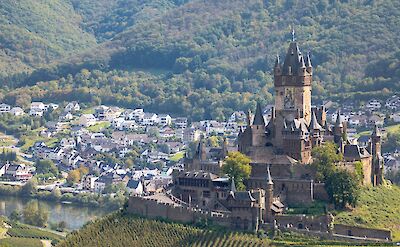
362,232
153,209
320,192
312,223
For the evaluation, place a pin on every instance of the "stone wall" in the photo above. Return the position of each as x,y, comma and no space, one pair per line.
153,209
312,223
320,192
362,232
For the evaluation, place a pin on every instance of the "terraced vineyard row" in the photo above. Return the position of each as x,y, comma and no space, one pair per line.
118,230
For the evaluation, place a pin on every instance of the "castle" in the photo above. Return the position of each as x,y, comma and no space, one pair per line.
280,152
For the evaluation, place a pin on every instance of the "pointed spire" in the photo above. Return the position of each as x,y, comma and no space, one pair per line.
249,116
277,61
376,132
308,60
314,125
269,176
258,117
233,186
293,35
338,122
302,64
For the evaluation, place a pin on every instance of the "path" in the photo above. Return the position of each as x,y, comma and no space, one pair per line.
46,243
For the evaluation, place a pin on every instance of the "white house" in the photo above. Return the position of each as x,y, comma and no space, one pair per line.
4,108
57,154
373,105
38,106
17,111
72,107
395,117
88,182
18,172
86,120
149,119
164,119
135,187
66,116
67,143
37,109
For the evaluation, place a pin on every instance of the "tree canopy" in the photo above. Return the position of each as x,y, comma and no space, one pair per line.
237,166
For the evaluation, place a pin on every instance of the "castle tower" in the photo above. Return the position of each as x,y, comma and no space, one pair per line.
315,131
377,159
202,152
269,196
338,130
292,81
258,128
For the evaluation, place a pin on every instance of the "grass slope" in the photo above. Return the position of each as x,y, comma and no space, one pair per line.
378,207
20,242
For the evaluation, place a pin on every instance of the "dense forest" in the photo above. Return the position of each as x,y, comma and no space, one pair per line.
202,58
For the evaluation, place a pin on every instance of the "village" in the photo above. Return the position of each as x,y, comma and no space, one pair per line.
137,151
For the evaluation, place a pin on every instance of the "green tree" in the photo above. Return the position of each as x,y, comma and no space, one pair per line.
343,188
30,188
46,166
74,177
341,185
325,157
237,166
16,215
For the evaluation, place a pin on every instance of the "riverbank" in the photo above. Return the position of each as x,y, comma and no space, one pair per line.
72,216
112,202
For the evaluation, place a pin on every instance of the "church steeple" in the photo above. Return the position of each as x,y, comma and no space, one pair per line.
258,117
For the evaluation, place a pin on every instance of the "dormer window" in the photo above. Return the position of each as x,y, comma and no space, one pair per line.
290,70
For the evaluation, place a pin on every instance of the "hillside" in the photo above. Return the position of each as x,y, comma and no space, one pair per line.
119,230
182,56
34,33
106,18
378,207
127,230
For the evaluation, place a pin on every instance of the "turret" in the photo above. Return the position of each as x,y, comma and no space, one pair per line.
302,67
338,129
259,117
202,150
308,63
376,141
377,159
277,67
249,117
269,196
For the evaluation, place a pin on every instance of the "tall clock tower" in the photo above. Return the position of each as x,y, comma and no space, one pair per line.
292,81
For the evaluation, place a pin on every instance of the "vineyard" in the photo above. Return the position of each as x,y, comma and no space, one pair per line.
118,230
125,230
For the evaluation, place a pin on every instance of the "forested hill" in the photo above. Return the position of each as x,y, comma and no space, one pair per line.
33,33
193,51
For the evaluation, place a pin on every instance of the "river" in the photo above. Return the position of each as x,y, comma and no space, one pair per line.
75,216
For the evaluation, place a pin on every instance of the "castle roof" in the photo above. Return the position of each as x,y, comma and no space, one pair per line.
292,59
258,117
314,125
243,196
355,152
269,176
